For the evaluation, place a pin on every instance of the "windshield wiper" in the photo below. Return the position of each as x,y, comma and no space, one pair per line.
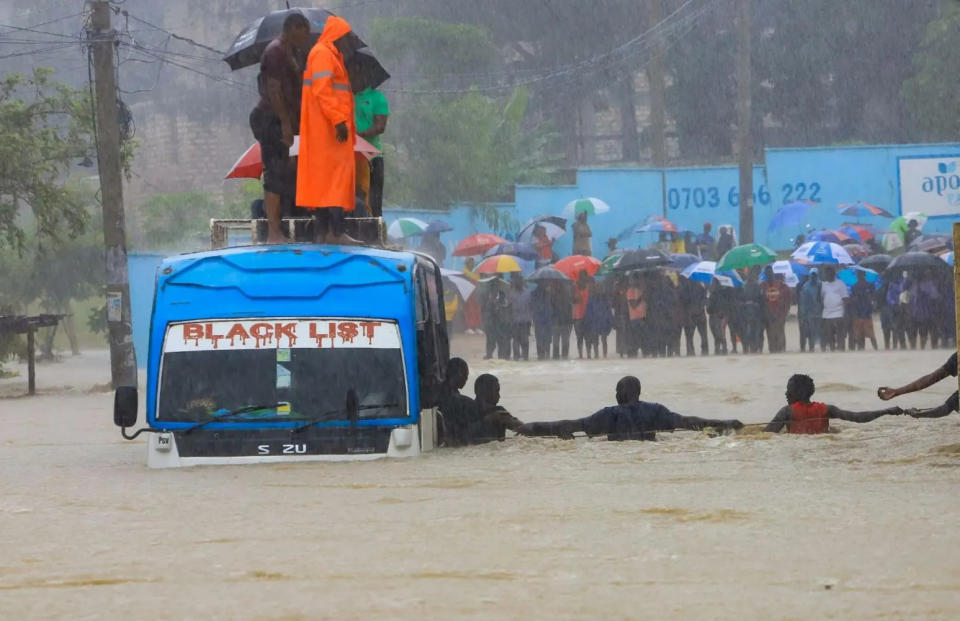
247,409
326,416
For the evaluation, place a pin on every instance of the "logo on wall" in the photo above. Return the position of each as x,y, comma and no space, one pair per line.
930,185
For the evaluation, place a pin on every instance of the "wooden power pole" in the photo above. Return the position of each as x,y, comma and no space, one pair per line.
744,134
102,37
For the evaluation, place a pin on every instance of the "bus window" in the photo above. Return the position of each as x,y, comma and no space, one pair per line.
432,346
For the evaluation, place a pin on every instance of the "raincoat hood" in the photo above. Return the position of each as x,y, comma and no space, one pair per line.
334,28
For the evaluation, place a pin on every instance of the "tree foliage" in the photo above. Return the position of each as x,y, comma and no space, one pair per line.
931,94
45,128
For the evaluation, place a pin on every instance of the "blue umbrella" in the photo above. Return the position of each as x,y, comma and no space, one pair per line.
705,271
948,257
791,214
824,236
438,226
516,249
849,276
791,271
822,252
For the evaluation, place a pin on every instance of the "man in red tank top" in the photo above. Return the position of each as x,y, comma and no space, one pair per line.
804,416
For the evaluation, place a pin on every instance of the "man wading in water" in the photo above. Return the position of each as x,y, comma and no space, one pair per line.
631,419
803,416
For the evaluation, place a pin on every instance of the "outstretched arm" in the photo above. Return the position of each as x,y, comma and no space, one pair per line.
886,393
950,405
861,417
696,423
559,428
780,420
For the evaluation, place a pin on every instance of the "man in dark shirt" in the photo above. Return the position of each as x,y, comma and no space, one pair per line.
950,405
861,310
458,411
276,118
492,419
632,419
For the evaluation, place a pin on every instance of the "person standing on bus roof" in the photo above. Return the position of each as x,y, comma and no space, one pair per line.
276,118
328,170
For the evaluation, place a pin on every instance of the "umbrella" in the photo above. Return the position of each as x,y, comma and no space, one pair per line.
891,241
706,271
517,249
947,257
609,263
554,226
747,255
642,259
862,210
406,227
499,264
857,251
367,70
682,259
849,276
438,226
822,252
547,272
914,260
857,232
876,262
827,236
248,47
250,164
791,272
464,286
931,243
477,244
657,226
589,206
573,265
791,214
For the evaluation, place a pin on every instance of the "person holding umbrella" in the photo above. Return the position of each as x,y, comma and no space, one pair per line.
276,118
371,111
327,132
777,296
582,235
520,305
861,309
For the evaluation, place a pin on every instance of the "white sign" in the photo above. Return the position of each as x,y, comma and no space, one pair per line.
930,185
321,333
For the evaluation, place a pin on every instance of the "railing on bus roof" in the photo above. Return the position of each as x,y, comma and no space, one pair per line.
240,232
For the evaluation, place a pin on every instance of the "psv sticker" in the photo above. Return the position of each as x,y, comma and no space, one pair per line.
282,335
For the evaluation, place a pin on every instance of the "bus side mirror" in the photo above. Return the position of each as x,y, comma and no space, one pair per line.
125,402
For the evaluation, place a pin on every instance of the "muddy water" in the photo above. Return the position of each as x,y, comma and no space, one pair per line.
856,524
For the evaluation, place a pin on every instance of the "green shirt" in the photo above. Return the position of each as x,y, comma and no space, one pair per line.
368,104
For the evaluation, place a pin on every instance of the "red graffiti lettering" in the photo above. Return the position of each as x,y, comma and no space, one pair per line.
237,332
193,332
368,329
263,332
316,336
288,330
210,336
348,331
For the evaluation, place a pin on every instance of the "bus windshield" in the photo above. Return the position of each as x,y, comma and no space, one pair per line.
301,369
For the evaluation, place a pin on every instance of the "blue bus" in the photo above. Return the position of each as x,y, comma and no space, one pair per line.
289,353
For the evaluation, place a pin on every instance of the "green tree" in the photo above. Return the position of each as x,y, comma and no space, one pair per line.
45,128
931,94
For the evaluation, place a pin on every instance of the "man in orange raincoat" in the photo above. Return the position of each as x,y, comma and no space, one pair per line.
326,179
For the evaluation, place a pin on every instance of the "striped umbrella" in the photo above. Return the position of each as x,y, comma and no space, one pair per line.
827,236
499,264
402,228
657,226
705,271
477,244
573,265
610,262
860,209
791,272
589,206
857,231
822,252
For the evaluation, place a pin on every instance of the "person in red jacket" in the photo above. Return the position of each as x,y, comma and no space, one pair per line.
777,296
804,416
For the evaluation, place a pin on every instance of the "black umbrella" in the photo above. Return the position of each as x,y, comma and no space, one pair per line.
915,260
642,259
931,243
876,262
248,47
366,70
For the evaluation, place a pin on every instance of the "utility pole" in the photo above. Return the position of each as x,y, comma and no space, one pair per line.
658,98
744,135
102,37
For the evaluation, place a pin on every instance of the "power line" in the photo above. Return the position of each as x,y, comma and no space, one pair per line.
127,14
210,76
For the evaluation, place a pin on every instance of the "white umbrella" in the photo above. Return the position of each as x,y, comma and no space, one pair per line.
590,206
705,271
822,252
406,227
553,226
789,276
464,286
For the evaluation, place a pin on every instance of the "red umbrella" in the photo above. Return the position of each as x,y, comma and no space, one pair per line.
857,251
250,164
477,244
857,231
574,264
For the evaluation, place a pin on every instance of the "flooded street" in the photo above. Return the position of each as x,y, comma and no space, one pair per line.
860,524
